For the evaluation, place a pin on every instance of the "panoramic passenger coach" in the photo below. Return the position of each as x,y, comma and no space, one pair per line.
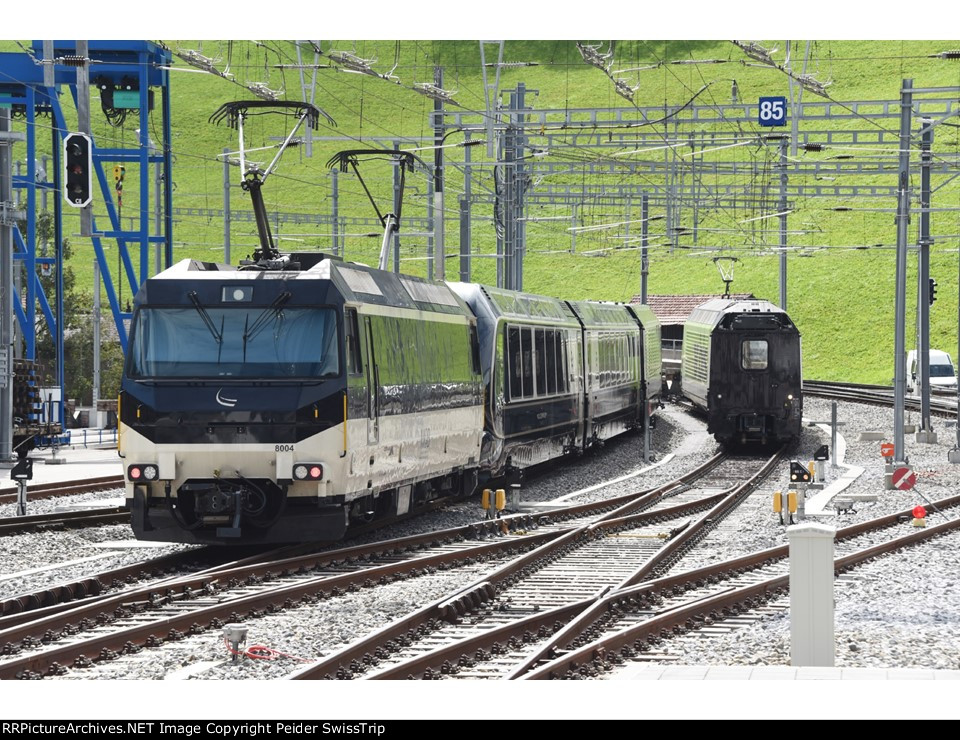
741,365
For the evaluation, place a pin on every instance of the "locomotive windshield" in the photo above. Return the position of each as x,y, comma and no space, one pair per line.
235,341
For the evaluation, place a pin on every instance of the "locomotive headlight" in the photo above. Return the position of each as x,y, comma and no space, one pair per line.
789,396
236,293
308,471
150,472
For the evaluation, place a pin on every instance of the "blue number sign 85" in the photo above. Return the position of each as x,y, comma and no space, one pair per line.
773,111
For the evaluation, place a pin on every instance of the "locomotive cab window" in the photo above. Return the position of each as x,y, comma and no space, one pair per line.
234,340
754,354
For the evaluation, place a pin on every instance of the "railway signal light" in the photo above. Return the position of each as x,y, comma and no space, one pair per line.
23,470
933,291
78,169
919,516
799,472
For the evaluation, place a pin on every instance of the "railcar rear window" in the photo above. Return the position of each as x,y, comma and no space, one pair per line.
237,341
759,321
754,354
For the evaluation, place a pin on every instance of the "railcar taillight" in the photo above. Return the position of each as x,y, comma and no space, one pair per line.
308,471
138,473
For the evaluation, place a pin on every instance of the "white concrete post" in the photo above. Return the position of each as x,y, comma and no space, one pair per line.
811,594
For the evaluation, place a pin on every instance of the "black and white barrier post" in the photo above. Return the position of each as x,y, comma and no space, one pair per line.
811,594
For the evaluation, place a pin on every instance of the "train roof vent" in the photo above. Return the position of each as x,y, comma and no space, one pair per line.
424,292
360,282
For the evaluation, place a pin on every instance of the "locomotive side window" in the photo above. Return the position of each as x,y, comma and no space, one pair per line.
475,349
354,363
754,354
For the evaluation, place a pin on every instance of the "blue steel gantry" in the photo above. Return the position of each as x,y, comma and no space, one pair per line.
129,71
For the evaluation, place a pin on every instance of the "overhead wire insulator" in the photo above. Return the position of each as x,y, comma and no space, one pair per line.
504,65
433,92
813,147
950,54
591,55
624,90
261,90
810,83
352,61
757,52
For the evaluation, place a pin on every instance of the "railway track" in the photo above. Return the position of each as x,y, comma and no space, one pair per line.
64,520
53,599
66,488
880,395
637,623
610,553
34,645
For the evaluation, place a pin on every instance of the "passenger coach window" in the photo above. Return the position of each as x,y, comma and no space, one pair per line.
537,362
550,355
540,361
515,356
754,354
527,352
561,362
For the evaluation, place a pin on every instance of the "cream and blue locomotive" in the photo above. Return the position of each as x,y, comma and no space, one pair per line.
282,405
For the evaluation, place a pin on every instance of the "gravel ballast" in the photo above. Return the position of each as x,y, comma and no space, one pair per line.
884,610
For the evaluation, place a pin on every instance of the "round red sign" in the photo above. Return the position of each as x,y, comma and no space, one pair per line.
919,512
904,479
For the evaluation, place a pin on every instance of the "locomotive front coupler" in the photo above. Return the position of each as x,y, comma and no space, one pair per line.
234,529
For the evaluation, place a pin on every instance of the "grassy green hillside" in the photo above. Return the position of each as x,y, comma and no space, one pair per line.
841,297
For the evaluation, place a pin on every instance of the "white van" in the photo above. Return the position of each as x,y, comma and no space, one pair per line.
943,377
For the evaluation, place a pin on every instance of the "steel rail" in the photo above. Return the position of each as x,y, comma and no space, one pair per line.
359,655
628,642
